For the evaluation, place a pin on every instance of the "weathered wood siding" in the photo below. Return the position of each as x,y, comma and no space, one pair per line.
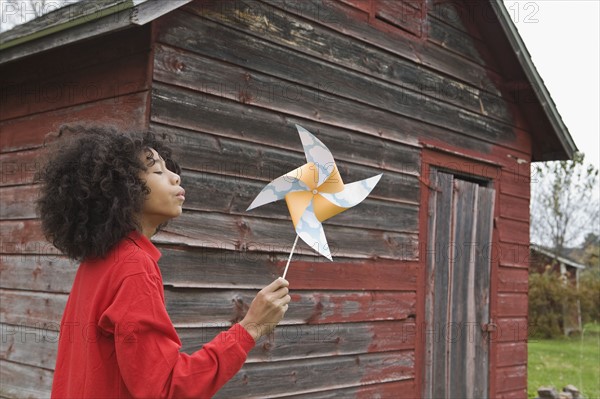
376,81
104,80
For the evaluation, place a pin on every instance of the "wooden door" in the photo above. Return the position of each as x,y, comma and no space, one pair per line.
458,286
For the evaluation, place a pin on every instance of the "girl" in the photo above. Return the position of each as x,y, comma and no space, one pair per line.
103,195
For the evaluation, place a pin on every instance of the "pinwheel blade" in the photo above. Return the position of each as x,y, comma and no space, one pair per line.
277,190
353,193
317,153
310,230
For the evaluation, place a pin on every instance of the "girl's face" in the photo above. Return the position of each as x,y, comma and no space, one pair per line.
166,195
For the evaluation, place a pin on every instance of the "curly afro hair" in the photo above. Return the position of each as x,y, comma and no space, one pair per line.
91,192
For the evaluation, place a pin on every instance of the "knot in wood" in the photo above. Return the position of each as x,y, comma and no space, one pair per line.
243,226
179,65
267,346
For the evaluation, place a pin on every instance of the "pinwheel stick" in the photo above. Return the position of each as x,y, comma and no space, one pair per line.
290,257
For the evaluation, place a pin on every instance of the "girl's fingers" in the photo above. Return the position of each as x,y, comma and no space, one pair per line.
277,284
283,301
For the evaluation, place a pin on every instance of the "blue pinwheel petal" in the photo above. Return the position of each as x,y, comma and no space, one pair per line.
277,190
310,230
353,193
317,153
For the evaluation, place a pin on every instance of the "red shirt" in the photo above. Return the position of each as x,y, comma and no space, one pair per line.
117,340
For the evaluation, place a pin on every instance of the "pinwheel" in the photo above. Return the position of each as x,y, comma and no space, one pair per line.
314,192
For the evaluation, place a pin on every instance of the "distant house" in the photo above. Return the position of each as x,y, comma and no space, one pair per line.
543,259
427,294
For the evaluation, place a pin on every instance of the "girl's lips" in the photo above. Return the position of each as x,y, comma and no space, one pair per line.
181,194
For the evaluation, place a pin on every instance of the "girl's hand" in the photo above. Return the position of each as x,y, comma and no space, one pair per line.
267,309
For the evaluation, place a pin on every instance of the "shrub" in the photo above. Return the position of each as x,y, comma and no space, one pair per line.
549,296
589,297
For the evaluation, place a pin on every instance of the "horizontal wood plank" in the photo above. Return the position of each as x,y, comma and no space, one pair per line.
290,342
458,41
517,394
512,304
19,168
206,267
364,5
29,345
18,202
517,181
513,231
510,254
512,279
313,375
457,14
197,307
512,329
30,308
24,237
514,207
509,378
378,390
511,354
49,273
126,112
21,381
406,15
275,236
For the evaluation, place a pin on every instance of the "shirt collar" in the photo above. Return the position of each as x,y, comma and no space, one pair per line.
145,244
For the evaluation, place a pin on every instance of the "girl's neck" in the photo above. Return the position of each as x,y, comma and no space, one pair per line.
148,226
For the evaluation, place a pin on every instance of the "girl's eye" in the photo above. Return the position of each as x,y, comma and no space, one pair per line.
159,173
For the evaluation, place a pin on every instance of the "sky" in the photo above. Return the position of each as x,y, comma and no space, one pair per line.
562,37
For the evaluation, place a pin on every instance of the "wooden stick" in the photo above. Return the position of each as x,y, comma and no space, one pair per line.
290,258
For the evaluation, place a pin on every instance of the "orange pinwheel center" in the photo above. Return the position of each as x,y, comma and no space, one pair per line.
298,201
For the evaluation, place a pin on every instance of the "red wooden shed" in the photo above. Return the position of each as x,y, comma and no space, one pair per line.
427,294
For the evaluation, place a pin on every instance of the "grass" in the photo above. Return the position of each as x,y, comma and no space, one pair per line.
562,361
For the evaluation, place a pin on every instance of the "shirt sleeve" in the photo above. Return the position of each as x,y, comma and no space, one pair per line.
148,347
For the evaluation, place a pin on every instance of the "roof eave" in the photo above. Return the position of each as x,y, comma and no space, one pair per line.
114,17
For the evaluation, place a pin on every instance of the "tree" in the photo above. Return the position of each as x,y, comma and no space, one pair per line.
564,208
564,203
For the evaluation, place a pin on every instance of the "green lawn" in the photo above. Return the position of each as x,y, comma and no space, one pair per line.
560,362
